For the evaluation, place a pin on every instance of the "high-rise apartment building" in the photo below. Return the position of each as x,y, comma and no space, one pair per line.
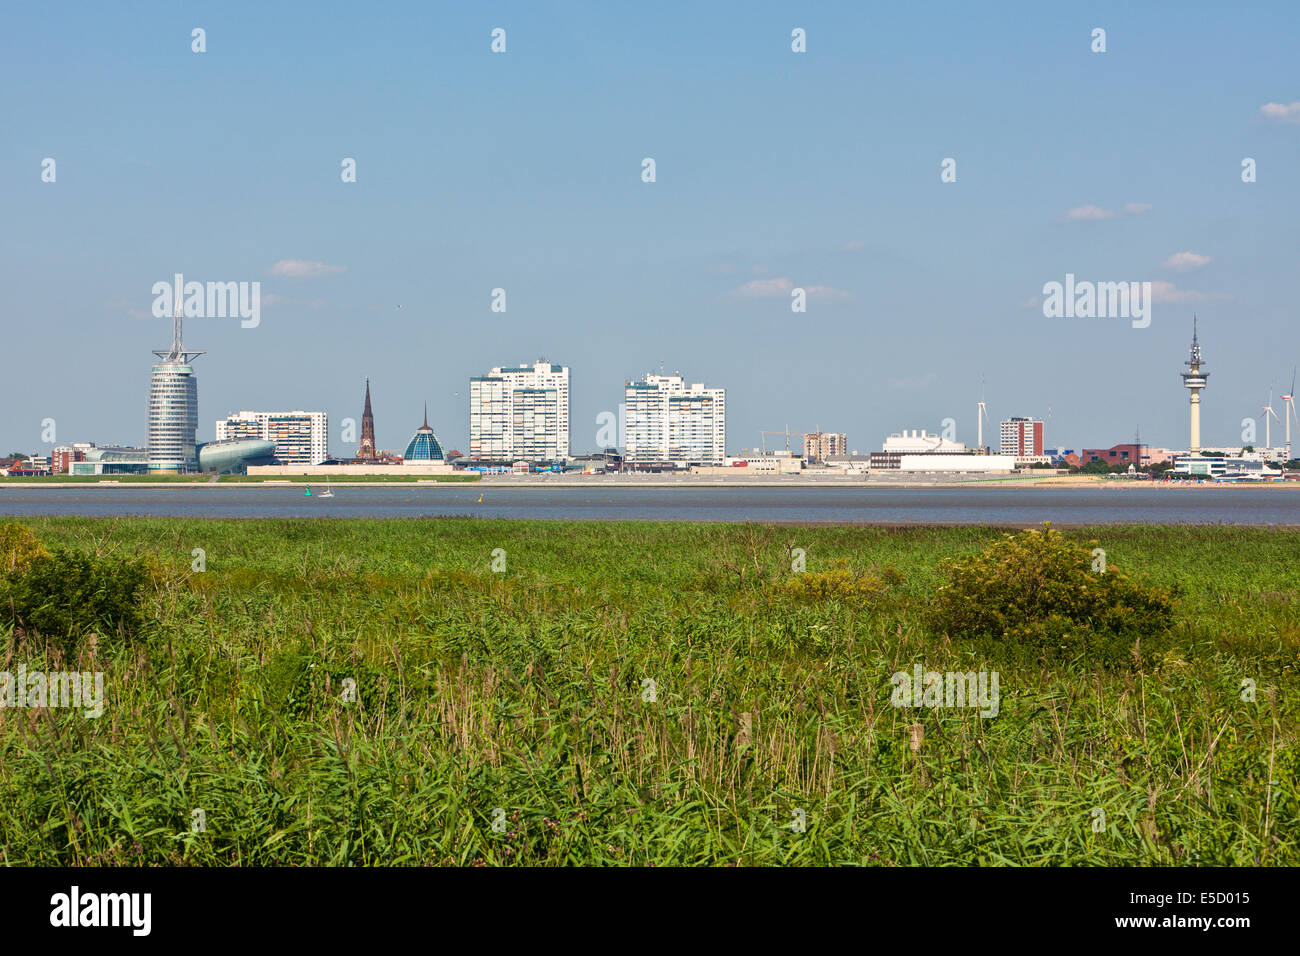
1022,437
670,421
301,438
520,413
818,446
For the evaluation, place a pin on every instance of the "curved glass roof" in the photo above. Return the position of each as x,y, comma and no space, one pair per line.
424,444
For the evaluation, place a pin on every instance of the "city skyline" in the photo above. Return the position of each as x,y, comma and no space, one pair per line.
917,289
522,412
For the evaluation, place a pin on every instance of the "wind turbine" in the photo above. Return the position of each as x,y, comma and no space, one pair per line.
1289,407
1268,431
981,414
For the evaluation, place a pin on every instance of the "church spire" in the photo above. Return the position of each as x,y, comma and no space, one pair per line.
367,450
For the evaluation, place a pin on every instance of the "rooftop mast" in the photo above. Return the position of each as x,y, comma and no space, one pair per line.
178,353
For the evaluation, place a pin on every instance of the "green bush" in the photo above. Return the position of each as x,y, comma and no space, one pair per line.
837,583
18,548
67,594
1034,596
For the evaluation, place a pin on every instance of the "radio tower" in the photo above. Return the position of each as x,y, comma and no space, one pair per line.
1194,380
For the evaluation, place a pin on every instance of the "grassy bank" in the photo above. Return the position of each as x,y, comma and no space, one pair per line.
523,697
95,479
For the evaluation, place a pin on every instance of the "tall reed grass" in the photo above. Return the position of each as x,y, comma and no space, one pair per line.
502,718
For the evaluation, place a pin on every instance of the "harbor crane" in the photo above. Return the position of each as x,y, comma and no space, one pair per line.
764,435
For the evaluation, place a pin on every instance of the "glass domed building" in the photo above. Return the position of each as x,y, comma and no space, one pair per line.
424,444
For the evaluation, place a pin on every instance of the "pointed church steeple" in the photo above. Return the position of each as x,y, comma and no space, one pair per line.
367,450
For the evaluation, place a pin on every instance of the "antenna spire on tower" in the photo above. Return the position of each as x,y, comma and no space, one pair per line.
177,353
176,327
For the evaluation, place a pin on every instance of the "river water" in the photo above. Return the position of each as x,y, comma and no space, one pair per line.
998,506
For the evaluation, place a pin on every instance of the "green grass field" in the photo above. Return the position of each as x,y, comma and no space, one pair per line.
503,717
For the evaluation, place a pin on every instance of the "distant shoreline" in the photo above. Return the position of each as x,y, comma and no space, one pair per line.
692,483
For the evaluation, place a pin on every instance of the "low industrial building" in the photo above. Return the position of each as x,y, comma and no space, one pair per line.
777,463
851,464
1224,466
955,463
921,442
112,461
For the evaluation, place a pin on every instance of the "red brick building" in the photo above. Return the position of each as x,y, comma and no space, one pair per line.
61,459
1129,454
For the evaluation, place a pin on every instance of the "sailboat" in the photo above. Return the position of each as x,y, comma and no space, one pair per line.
328,492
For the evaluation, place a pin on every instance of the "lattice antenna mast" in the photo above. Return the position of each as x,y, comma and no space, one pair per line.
178,352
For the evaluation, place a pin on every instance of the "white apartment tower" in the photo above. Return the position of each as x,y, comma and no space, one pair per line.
670,421
520,413
173,408
301,438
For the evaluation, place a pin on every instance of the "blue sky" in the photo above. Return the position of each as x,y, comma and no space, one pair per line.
774,169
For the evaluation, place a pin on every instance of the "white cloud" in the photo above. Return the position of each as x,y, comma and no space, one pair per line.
1186,260
1092,213
303,269
825,293
1082,213
1032,302
1168,292
1282,112
781,287
765,288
